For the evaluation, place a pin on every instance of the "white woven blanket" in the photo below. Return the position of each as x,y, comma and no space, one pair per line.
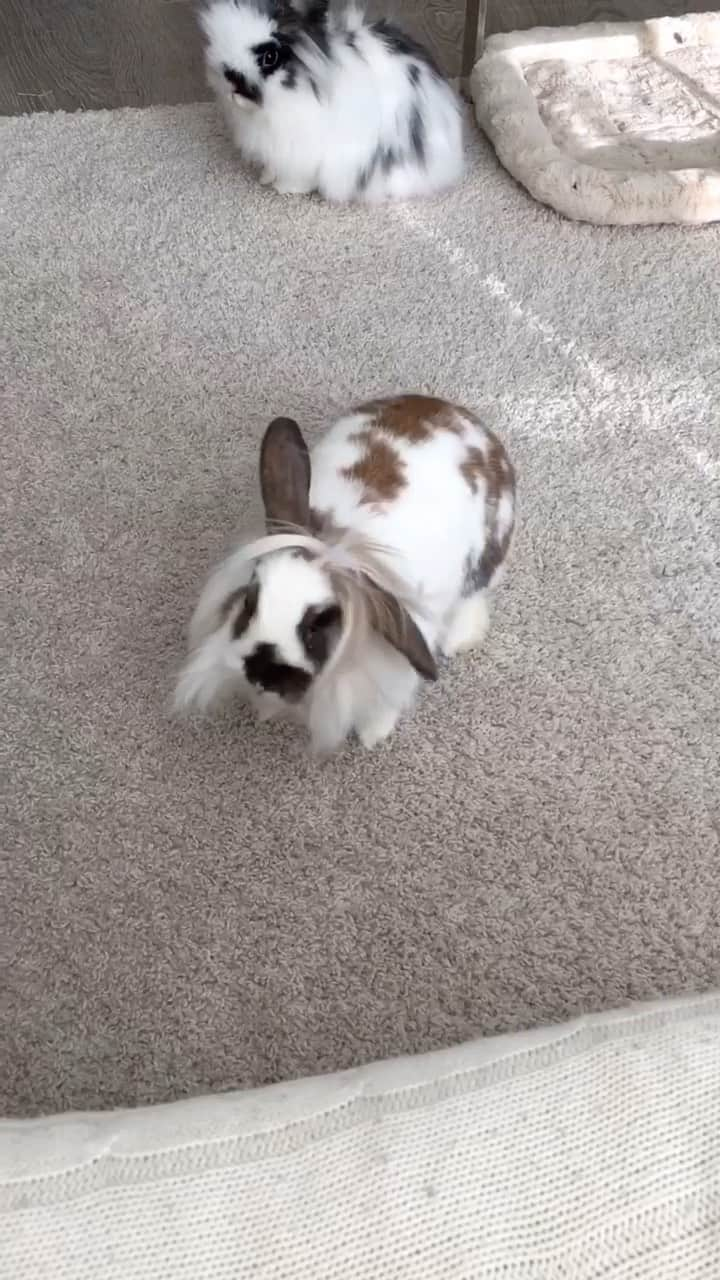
590,1150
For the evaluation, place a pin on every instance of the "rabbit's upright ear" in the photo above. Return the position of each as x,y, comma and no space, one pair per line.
310,11
285,474
393,622
294,16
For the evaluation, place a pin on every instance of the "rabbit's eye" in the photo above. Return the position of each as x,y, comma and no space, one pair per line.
318,629
269,58
270,55
329,617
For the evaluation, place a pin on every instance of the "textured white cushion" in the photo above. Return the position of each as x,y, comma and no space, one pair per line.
609,122
589,1150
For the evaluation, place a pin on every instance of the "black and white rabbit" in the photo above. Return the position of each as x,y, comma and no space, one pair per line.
332,103
382,547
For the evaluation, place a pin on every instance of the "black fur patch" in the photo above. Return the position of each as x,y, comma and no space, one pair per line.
318,630
293,16
319,37
315,17
264,669
384,158
312,23
241,85
414,74
365,174
397,42
417,135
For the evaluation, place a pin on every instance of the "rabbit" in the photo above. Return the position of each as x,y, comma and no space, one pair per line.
380,550
352,109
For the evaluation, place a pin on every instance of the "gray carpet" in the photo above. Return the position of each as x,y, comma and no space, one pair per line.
193,907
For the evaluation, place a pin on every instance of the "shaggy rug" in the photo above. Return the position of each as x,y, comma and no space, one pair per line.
196,906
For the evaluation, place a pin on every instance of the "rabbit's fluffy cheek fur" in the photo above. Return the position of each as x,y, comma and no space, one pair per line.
277,633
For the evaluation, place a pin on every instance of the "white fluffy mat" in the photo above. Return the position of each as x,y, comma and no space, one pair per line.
589,1151
609,122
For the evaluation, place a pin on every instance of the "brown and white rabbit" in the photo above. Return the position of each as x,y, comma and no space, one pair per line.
382,545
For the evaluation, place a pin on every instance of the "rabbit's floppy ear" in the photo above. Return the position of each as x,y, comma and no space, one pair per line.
393,622
285,474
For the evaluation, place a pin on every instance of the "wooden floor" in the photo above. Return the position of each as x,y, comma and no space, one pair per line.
83,54
71,54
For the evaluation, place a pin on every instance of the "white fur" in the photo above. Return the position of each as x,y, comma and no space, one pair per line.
416,546
305,141
468,626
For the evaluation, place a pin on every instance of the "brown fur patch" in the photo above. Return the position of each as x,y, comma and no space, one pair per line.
413,418
494,552
499,471
380,470
248,597
474,468
495,468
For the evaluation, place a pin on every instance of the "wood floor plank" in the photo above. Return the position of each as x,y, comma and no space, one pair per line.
83,54
156,52
520,15
53,56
